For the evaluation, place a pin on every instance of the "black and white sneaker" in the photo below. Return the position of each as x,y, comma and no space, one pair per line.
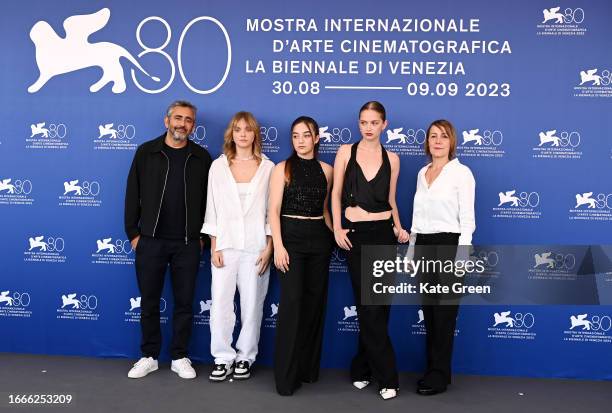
221,371
242,370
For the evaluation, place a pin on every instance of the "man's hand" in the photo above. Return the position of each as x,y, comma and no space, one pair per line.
134,242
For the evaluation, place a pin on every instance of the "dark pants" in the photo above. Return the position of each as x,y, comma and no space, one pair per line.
439,311
375,358
152,258
303,298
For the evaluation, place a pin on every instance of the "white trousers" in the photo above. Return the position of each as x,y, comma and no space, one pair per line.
239,271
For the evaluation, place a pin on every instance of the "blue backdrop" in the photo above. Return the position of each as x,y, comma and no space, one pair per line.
527,84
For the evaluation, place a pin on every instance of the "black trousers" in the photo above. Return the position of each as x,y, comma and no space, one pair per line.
152,258
440,311
303,298
375,358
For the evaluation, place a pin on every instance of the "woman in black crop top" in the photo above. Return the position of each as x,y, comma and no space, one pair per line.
303,243
365,213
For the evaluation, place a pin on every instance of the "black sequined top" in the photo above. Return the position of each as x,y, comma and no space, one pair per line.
305,195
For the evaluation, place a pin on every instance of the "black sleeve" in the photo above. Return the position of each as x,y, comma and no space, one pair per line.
207,162
132,200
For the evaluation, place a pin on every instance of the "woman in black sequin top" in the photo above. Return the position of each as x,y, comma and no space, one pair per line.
303,243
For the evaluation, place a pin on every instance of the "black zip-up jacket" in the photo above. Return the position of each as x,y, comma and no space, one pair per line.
146,184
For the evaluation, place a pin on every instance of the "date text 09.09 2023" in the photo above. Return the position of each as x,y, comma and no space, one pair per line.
423,89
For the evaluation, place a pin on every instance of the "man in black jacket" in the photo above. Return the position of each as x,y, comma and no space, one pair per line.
165,203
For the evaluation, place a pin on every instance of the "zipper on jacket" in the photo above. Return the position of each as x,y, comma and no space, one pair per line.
163,191
185,185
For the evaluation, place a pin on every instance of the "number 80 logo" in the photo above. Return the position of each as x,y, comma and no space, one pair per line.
20,299
575,16
179,56
268,134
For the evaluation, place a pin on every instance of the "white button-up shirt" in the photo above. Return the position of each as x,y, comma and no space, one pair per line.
234,227
447,205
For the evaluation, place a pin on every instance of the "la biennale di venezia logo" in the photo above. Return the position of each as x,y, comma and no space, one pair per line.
56,55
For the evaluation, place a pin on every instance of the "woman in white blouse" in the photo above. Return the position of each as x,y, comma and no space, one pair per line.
241,245
443,218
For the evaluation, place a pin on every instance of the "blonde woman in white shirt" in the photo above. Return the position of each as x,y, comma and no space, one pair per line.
241,245
443,218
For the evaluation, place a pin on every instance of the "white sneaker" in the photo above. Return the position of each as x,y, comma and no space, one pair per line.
143,367
387,394
221,371
361,384
242,370
183,368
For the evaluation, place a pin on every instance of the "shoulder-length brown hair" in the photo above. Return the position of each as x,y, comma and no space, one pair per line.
449,129
229,147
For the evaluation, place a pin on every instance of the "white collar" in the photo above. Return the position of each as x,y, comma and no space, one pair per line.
450,164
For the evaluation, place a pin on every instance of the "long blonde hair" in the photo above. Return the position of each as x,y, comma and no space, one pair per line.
229,146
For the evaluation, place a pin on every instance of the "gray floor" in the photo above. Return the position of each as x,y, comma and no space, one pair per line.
101,385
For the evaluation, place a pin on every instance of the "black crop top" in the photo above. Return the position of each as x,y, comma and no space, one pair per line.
372,196
305,194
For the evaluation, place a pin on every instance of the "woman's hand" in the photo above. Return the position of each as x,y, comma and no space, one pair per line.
216,257
263,261
281,259
402,235
342,239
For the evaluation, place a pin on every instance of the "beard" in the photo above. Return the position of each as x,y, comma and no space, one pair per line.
179,135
